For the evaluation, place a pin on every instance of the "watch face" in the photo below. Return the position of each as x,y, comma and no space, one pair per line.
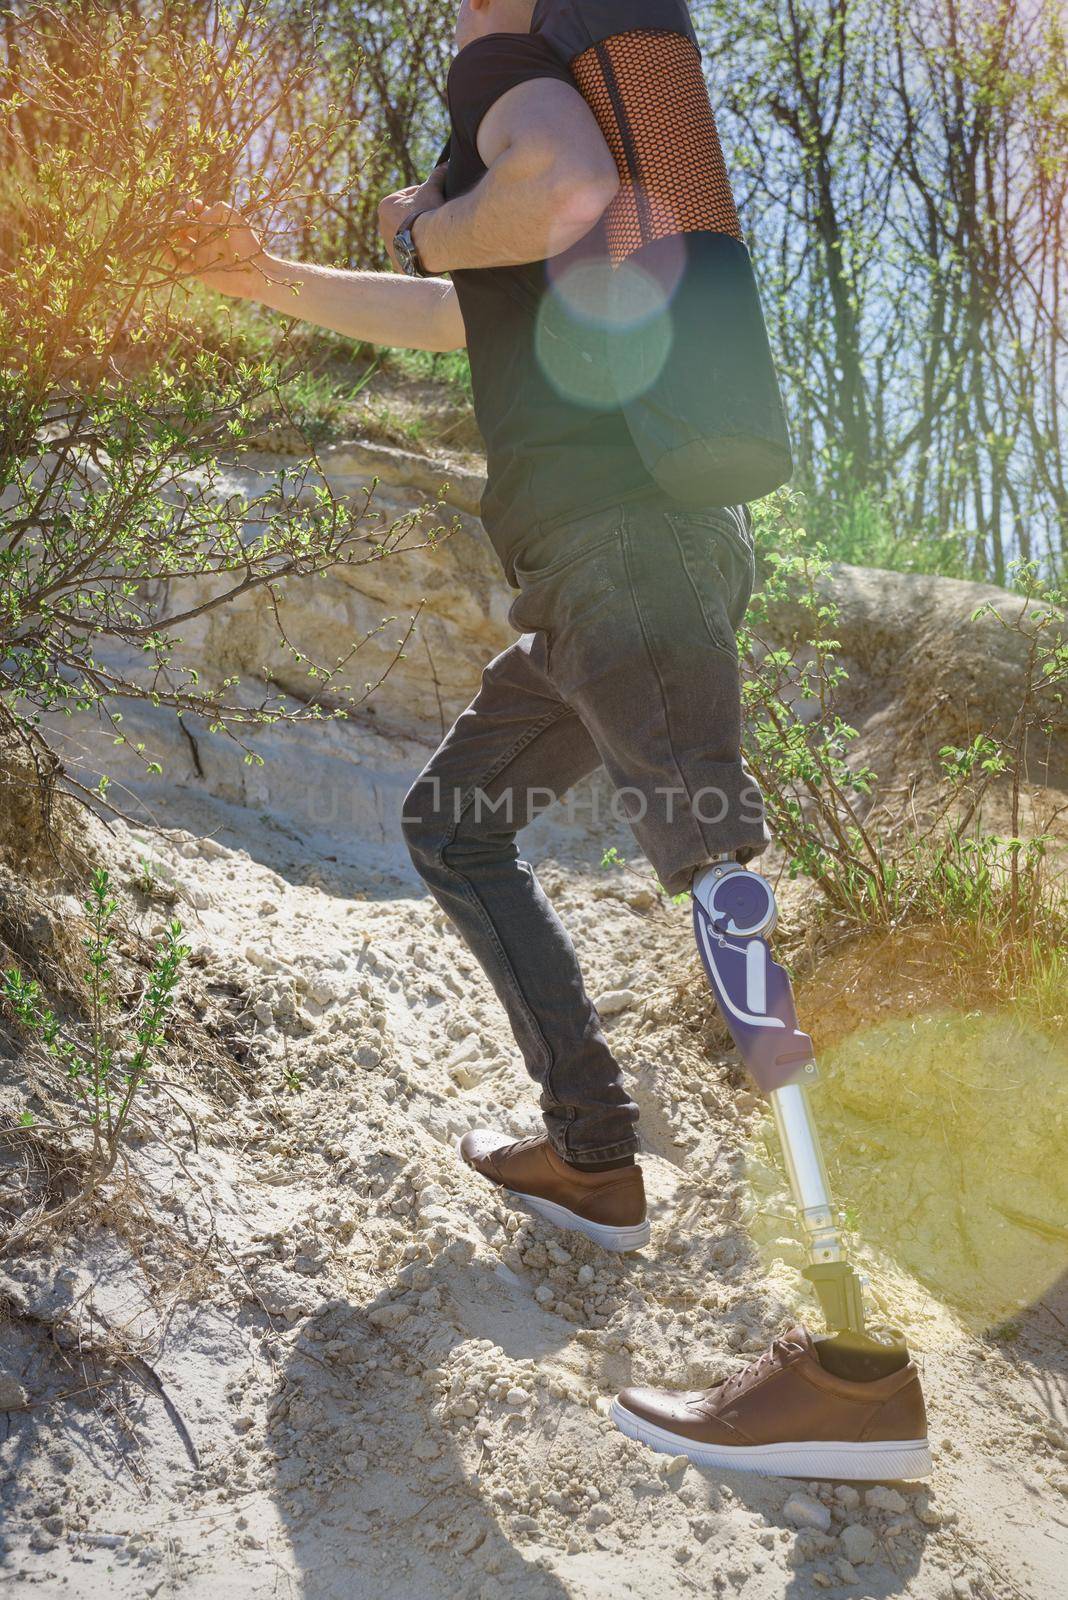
405,252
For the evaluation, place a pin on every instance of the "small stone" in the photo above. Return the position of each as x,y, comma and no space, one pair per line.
615,1001
858,1543
847,1496
882,1499
791,1252
543,1294
12,1394
586,1274
389,1316
516,1397
929,1515
847,1572
804,1512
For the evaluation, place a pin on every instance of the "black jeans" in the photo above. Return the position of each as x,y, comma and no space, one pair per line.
628,659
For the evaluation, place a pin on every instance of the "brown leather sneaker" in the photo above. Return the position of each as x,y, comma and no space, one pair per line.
608,1207
787,1414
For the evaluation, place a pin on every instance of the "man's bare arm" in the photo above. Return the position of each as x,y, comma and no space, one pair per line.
551,177
373,307
215,244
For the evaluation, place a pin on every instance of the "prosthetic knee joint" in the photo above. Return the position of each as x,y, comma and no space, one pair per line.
734,914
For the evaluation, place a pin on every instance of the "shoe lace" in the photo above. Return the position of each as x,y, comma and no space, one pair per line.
778,1353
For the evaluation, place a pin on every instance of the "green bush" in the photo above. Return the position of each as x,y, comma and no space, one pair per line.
952,868
118,408
101,1065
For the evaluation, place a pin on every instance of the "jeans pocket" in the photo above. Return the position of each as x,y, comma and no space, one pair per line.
712,569
528,576
722,540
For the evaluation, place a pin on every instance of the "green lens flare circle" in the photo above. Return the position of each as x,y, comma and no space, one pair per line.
603,335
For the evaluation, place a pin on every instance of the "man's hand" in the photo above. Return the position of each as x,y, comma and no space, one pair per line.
395,209
216,245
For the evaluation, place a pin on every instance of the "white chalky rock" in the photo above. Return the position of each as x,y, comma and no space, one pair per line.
858,1543
390,1316
470,1050
615,1001
804,1512
883,1499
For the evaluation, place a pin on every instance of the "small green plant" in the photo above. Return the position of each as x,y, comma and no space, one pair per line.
450,367
104,1061
801,761
877,869
152,883
390,420
316,402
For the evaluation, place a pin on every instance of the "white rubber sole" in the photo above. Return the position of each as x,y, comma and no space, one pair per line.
899,1459
618,1239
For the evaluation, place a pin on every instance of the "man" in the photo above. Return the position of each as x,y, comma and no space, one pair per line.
627,607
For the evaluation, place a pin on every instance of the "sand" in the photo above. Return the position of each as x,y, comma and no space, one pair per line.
352,1369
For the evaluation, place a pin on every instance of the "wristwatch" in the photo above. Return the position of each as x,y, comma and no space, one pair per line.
407,251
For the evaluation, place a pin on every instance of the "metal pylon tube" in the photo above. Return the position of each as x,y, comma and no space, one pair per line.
807,1171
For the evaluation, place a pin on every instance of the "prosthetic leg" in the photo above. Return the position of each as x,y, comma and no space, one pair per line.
734,914
845,1404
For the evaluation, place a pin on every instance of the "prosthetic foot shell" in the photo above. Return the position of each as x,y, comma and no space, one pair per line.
700,397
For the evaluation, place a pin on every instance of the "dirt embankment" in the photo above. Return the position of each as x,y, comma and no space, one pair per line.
303,1350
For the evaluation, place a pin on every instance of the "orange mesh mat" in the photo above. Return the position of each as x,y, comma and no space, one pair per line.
649,95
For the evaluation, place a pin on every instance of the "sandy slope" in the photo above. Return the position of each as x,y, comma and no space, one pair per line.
391,1382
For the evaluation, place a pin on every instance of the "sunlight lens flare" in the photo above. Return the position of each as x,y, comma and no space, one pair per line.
603,334
944,1134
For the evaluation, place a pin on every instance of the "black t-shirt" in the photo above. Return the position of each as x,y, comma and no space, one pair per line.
557,446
